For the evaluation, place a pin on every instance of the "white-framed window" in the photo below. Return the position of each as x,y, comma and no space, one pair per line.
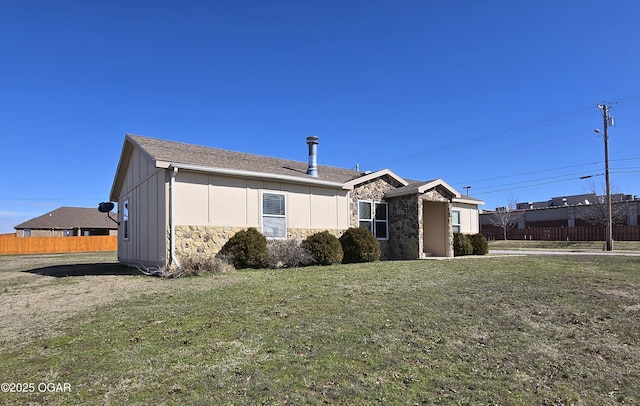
125,219
455,221
27,232
374,216
274,215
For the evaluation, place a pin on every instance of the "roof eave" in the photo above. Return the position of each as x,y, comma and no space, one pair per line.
257,175
468,200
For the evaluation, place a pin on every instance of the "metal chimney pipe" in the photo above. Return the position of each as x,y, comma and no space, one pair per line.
312,141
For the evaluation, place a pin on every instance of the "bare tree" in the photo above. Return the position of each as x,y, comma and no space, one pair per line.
506,217
596,212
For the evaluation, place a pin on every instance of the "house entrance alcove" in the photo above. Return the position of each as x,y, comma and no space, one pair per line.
435,232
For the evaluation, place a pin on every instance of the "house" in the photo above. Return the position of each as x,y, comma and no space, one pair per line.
178,199
67,222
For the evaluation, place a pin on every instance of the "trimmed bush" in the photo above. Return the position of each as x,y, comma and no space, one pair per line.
246,249
480,244
462,245
286,254
359,245
194,265
324,247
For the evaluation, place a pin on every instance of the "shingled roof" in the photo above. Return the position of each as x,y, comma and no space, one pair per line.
165,153
69,218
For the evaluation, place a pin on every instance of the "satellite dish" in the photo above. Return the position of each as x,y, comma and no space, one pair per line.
105,207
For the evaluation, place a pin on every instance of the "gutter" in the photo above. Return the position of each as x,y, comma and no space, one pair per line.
172,222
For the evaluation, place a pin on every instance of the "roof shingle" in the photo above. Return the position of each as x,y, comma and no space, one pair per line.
68,218
181,153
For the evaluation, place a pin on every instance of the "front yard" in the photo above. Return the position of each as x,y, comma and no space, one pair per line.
501,330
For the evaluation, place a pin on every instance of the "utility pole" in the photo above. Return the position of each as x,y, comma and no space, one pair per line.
607,120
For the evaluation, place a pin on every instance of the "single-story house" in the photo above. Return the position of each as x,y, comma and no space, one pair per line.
177,199
68,222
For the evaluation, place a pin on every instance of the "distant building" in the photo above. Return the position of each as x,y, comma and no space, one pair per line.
573,211
67,222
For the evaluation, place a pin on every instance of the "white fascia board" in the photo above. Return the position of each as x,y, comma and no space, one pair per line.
374,175
468,200
255,175
439,182
423,188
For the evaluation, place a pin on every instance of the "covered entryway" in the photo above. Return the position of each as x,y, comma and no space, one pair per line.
420,220
435,229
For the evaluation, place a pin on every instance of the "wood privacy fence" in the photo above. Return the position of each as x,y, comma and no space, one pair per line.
10,244
581,233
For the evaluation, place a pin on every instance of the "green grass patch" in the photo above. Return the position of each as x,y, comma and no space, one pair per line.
593,246
513,331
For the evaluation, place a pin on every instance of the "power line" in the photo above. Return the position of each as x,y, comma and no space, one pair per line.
543,171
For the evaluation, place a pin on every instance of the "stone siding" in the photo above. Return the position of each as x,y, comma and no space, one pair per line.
208,240
372,190
405,228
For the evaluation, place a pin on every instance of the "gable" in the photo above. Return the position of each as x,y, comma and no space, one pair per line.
375,175
421,187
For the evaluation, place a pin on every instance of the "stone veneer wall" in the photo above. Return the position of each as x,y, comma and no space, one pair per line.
373,190
405,222
208,240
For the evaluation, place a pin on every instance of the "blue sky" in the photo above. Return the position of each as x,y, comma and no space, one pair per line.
497,95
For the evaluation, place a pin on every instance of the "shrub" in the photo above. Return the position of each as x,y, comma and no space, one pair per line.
194,265
359,245
324,247
287,253
462,245
246,249
480,244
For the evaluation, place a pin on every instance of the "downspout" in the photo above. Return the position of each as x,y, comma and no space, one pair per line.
172,225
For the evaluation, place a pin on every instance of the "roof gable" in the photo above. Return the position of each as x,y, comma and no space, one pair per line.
421,187
374,175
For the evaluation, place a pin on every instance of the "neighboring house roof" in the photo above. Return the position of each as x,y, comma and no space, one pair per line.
68,218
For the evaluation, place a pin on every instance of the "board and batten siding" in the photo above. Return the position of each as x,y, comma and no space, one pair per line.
145,188
469,219
217,200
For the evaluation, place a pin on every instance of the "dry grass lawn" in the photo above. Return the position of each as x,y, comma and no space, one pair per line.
544,330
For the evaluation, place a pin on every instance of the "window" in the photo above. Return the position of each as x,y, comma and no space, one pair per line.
374,216
455,221
27,232
125,219
274,215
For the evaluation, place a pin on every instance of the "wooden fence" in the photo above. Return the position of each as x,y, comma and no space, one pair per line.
10,244
581,233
